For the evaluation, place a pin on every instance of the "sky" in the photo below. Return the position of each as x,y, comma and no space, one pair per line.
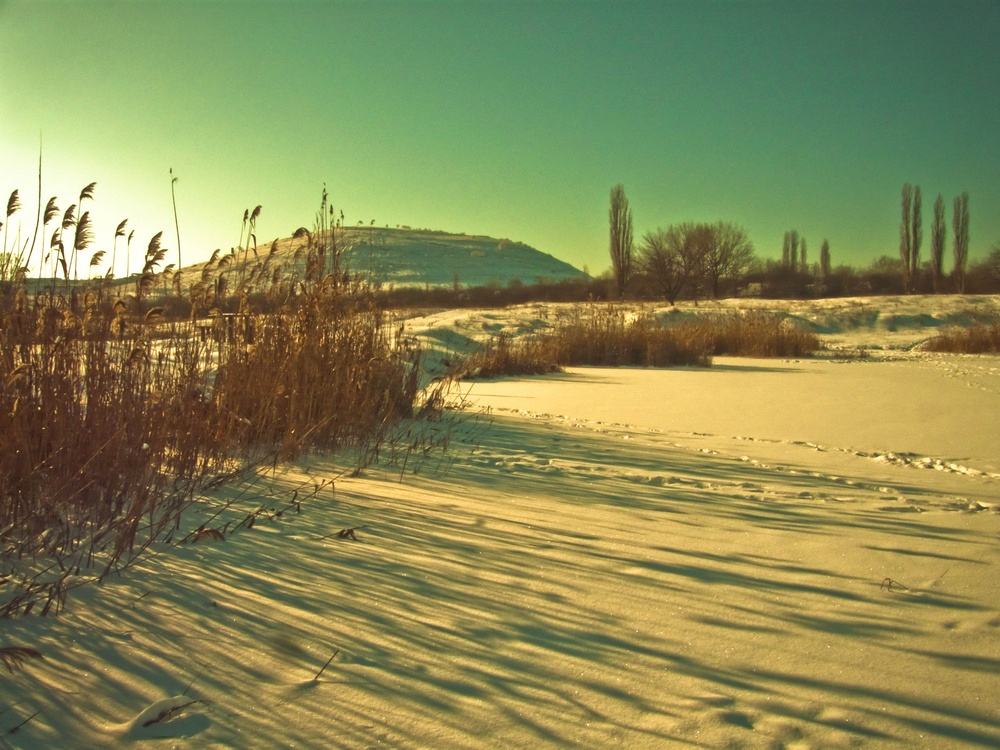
509,119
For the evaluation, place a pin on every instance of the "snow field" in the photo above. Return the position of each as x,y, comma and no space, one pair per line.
767,554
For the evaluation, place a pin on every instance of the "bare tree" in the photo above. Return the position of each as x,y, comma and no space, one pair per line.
663,262
803,263
677,259
937,244
960,227
697,243
728,251
620,220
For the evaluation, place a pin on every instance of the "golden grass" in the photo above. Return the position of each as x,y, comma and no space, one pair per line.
981,338
611,336
505,355
754,334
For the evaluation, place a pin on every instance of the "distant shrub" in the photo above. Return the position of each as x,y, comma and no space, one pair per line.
978,339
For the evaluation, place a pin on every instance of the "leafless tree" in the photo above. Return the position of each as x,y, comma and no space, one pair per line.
960,227
662,260
937,243
697,241
620,220
803,263
728,252
694,257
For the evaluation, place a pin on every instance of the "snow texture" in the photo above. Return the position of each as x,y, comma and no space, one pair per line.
764,554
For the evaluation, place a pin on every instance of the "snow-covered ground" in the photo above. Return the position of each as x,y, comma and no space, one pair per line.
764,554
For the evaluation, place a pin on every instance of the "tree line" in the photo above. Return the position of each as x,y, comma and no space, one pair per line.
911,237
694,260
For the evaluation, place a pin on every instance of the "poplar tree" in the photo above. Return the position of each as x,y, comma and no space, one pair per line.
937,244
824,259
620,220
960,227
790,250
905,234
916,238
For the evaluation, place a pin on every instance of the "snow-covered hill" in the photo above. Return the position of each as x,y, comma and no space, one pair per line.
408,257
419,257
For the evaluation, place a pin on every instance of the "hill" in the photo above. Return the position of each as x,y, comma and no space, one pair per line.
420,257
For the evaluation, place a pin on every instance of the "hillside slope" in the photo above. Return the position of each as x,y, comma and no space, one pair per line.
419,257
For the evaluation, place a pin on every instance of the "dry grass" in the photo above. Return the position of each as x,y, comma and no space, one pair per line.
978,339
611,336
755,334
505,355
113,419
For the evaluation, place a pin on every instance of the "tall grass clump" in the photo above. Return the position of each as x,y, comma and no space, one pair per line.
504,354
753,334
99,448
597,335
113,418
327,370
981,338
612,336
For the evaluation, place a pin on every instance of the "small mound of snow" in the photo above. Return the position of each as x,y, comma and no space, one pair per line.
167,718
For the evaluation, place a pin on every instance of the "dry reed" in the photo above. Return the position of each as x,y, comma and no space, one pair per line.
113,418
611,336
754,334
981,338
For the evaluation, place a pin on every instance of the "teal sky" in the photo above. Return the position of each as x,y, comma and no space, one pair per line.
511,119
